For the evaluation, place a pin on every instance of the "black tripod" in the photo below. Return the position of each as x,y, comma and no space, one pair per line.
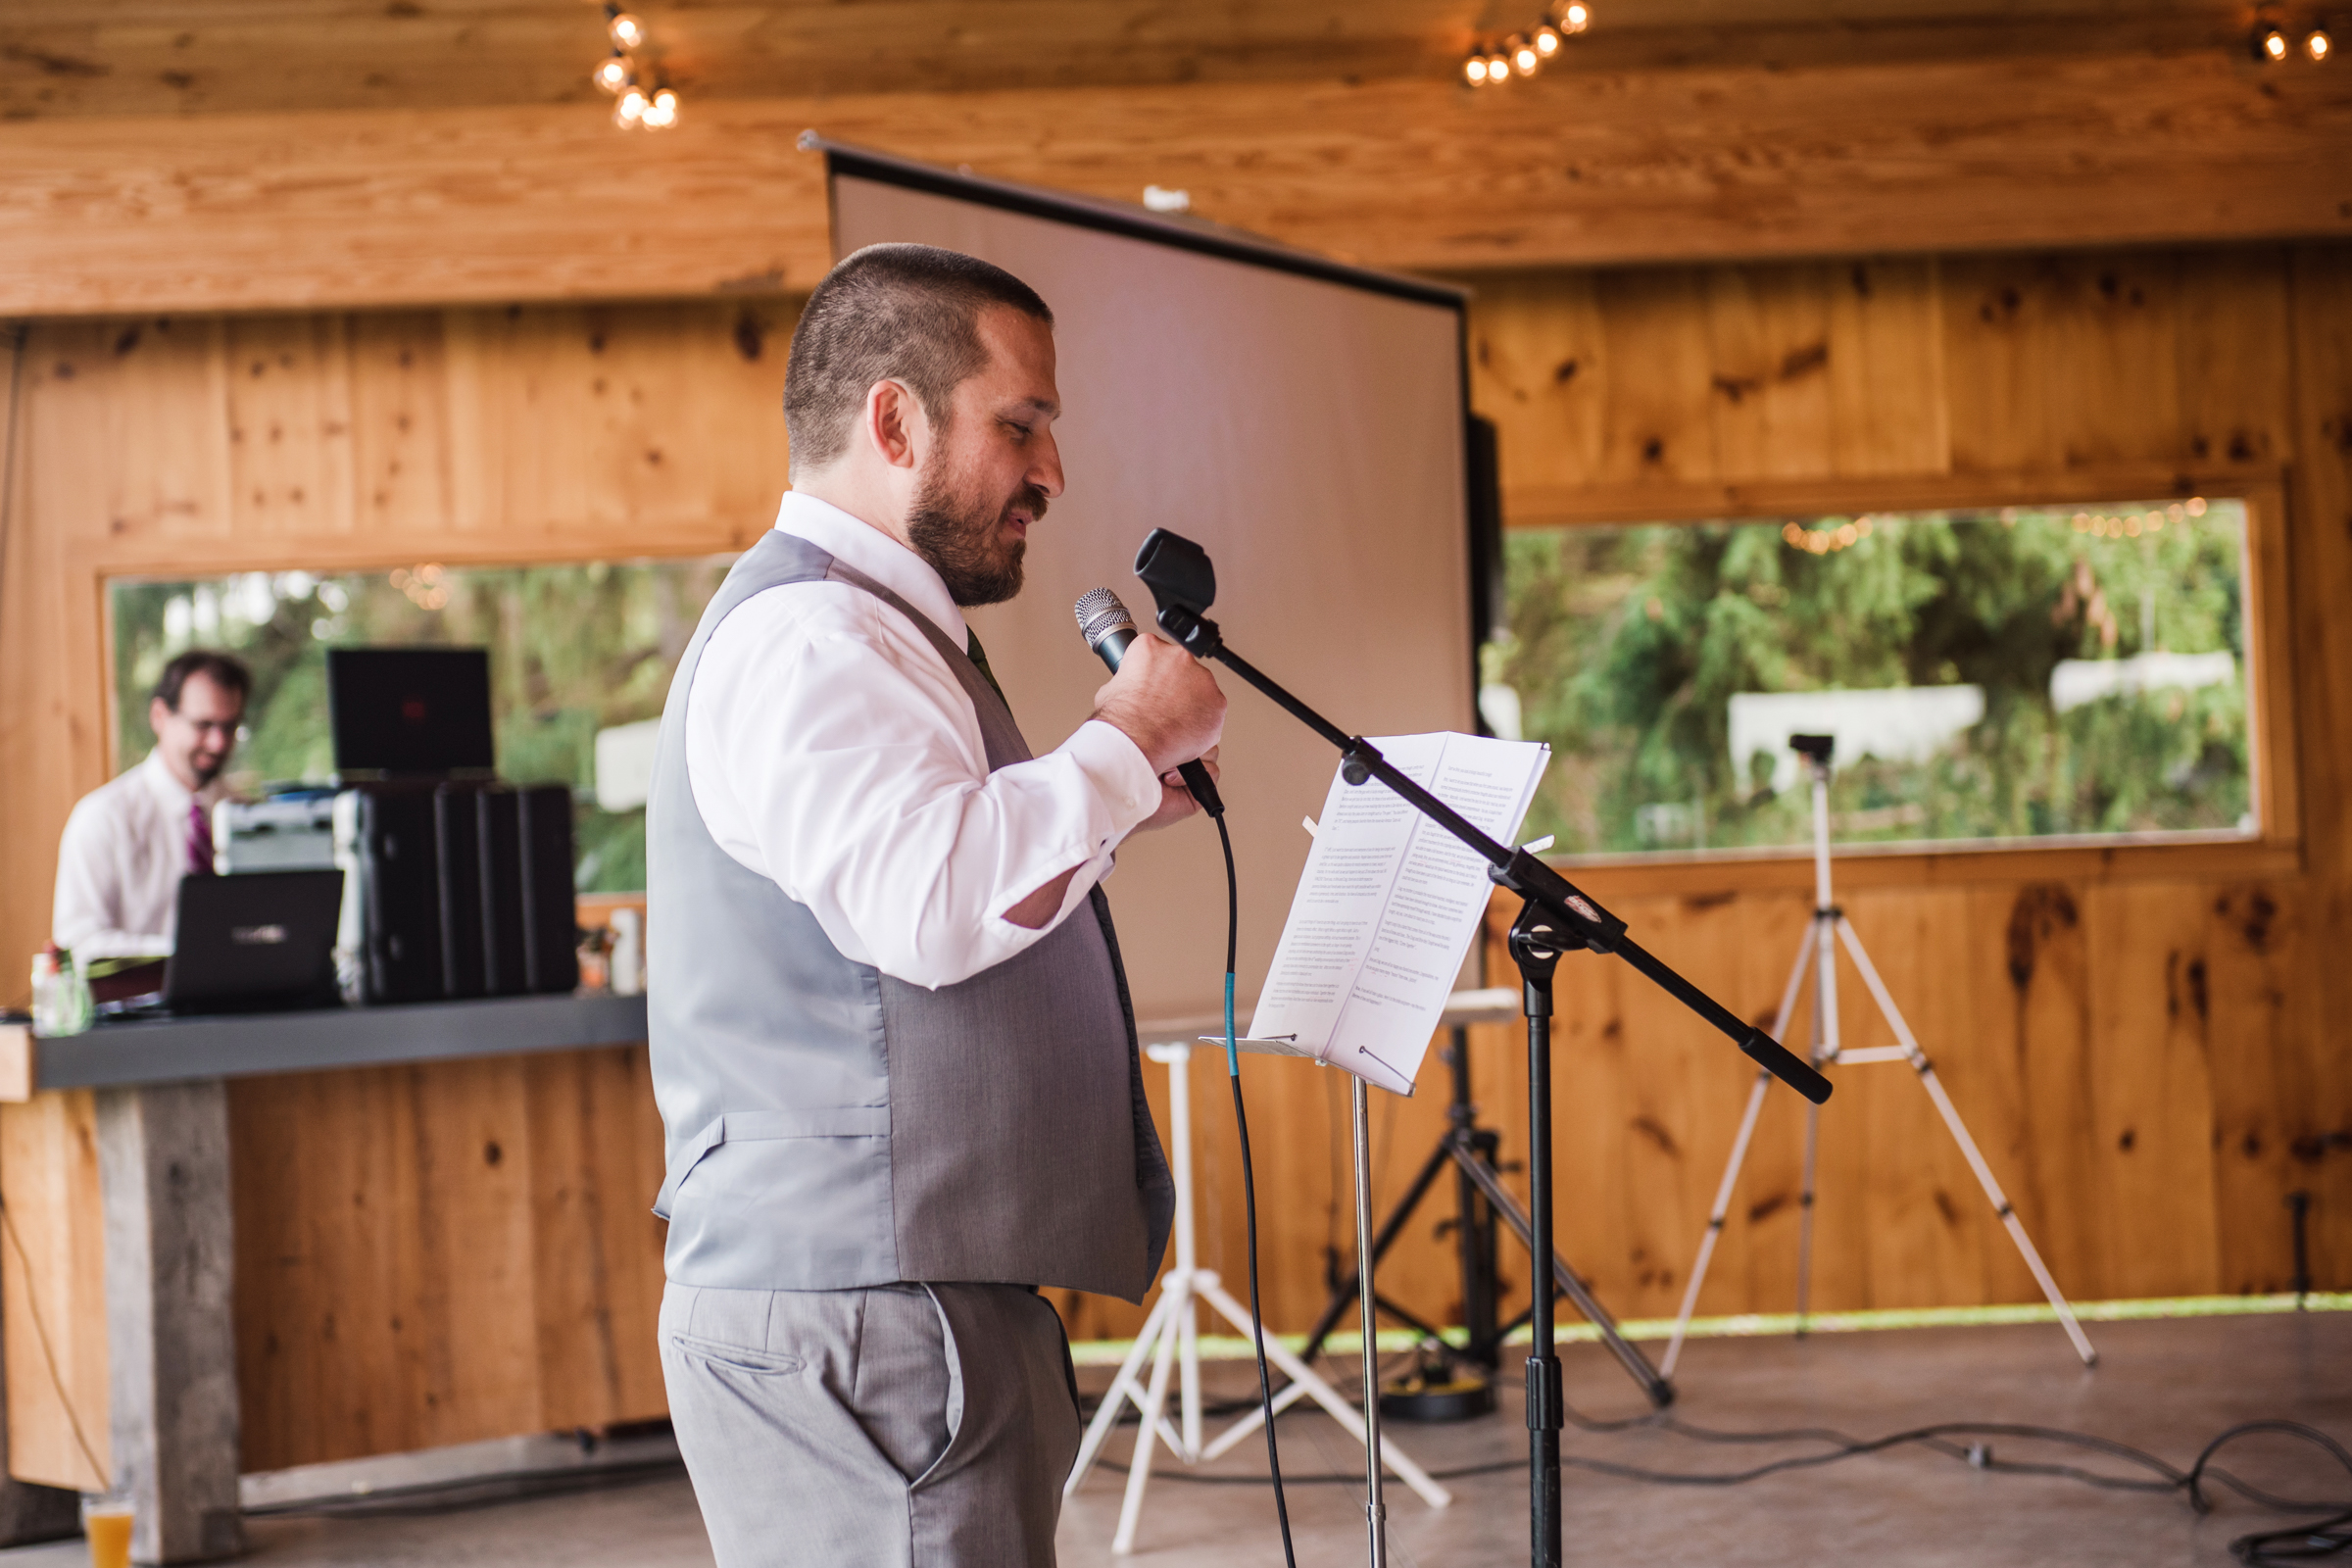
1557,918
1479,1198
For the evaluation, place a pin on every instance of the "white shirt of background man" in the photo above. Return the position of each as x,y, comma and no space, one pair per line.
830,748
119,862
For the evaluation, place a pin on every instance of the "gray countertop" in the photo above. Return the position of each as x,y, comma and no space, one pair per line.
153,1050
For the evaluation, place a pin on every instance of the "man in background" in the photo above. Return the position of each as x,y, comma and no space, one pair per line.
128,842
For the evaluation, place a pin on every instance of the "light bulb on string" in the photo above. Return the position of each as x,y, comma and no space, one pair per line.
1474,71
663,111
613,75
1575,17
631,108
2318,45
626,30
1547,40
1524,58
1499,68
2270,44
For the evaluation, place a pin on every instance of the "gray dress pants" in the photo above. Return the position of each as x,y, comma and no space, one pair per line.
902,1426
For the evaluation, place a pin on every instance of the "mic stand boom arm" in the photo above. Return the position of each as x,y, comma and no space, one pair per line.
1556,917
1516,871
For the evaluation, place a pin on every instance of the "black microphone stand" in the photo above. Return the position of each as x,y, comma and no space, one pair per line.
1556,918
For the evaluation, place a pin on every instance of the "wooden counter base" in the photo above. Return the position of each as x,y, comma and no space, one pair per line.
123,1312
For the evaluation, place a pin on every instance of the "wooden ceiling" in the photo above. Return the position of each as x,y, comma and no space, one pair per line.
149,57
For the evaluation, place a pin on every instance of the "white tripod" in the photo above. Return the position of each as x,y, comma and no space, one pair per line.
1170,1337
1820,948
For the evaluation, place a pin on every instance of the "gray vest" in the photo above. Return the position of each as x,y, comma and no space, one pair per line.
831,1126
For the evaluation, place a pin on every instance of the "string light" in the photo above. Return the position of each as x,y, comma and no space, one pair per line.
2318,45
2133,524
427,586
641,98
1523,54
2270,44
1822,541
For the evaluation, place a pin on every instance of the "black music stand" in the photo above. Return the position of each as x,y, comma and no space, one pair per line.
1480,1201
1557,918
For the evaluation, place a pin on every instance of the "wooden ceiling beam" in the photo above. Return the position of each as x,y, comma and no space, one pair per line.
383,208
108,58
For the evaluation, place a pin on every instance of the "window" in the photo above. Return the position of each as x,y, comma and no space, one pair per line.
580,661
2026,673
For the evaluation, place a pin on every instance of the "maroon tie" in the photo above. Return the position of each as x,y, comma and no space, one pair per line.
200,840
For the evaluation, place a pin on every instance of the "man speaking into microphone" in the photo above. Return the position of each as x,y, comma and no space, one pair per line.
890,1037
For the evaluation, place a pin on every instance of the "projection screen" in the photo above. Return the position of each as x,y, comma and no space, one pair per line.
1305,422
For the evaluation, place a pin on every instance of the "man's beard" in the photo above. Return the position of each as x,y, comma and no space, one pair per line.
958,536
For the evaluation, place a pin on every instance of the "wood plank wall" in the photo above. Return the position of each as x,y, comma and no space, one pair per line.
2140,1041
425,1255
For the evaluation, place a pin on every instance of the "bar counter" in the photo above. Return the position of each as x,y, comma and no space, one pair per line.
160,1050
116,1156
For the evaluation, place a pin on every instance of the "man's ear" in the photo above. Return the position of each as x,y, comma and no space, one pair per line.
895,423
157,708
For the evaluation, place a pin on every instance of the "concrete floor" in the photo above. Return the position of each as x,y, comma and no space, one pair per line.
2162,1386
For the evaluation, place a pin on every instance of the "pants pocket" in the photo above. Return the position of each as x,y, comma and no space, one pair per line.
743,1359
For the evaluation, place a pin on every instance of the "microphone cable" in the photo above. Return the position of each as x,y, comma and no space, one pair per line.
1240,1122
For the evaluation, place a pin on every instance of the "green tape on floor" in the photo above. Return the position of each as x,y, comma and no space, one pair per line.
1110,1353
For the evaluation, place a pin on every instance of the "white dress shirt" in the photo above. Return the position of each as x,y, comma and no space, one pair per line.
831,749
119,862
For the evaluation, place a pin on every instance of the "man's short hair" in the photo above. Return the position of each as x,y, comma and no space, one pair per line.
890,313
222,670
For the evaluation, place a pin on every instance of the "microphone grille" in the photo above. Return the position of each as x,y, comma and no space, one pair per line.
1099,614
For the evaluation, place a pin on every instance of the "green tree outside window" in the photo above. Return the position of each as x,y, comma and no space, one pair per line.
2103,652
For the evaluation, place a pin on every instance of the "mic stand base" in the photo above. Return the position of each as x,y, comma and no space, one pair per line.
1480,1200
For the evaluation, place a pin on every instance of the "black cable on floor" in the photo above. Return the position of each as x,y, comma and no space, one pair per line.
1240,1122
2323,1538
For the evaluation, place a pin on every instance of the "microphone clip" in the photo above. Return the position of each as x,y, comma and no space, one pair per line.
1197,635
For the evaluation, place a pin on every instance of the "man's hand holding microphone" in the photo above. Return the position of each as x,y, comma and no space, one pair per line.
1162,699
1166,702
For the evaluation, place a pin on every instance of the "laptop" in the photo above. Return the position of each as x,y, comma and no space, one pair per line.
253,941
399,713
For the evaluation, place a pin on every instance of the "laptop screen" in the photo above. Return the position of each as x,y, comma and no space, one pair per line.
254,940
410,711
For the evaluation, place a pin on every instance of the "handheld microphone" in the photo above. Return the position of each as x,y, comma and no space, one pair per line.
1108,629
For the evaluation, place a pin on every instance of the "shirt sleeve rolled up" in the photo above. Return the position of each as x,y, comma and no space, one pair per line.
830,748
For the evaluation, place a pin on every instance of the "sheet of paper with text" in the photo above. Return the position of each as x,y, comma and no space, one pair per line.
1389,904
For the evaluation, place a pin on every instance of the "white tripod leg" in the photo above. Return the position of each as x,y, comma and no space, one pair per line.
1126,1386
1825,1023
1138,1468
1967,1145
1306,1379
1824,1051
1731,1168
